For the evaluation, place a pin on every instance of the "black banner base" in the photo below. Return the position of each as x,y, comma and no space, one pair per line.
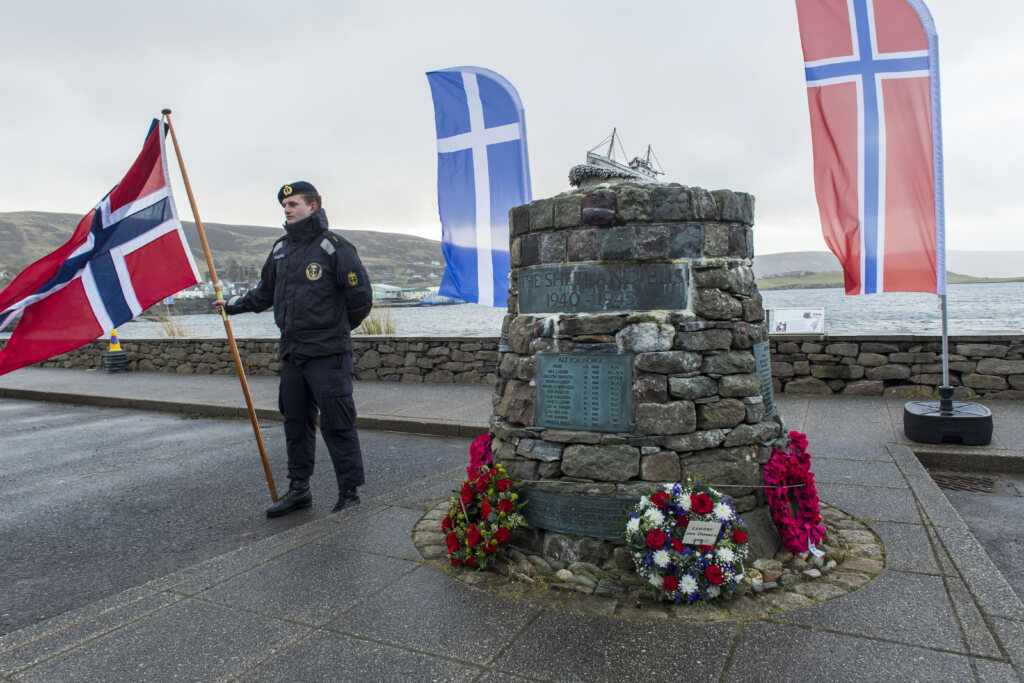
947,421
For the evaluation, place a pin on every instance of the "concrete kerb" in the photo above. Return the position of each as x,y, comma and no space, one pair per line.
969,459
156,405
375,422
421,427
986,585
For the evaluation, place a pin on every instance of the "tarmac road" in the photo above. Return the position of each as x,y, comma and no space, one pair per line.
995,519
95,500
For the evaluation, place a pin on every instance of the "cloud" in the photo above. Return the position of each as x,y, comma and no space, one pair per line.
335,93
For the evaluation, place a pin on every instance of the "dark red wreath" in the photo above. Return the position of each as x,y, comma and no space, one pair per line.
788,477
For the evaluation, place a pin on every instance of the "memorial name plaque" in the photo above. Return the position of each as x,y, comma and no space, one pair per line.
567,513
701,533
584,391
763,363
600,287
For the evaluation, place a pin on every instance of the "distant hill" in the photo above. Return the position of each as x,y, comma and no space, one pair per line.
26,236
776,265
981,264
239,252
834,278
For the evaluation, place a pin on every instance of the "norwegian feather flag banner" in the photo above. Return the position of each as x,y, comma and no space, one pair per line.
482,172
126,254
872,69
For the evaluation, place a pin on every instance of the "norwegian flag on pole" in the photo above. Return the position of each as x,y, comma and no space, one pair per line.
126,254
872,69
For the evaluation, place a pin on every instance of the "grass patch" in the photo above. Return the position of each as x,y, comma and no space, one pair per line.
173,324
380,321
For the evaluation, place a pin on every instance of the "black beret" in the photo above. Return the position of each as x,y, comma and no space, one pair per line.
301,187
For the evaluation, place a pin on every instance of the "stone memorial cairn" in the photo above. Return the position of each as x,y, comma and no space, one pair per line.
630,357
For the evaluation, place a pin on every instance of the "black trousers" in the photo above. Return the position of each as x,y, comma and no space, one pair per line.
321,385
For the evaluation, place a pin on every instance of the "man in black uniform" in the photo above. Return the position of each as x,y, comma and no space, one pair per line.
319,290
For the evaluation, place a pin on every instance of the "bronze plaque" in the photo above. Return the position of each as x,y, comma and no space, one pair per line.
763,363
601,287
584,391
572,513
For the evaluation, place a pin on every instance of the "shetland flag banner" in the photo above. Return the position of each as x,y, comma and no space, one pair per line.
872,69
126,254
482,172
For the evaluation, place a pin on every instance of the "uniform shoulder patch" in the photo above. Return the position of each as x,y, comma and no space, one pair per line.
353,279
328,247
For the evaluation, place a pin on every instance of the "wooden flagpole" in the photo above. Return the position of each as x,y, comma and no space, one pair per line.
223,314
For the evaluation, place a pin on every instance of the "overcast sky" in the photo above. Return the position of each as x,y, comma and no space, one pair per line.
334,92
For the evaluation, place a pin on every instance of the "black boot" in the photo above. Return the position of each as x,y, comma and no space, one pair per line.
297,498
346,499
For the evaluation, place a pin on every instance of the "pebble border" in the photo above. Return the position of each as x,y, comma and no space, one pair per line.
854,555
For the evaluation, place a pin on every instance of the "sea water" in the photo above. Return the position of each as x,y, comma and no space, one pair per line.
972,309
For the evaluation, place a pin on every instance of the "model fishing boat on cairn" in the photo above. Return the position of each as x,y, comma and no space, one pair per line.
603,167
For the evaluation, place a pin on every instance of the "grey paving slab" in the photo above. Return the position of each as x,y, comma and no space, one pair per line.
571,647
866,502
935,506
976,632
432,612
326,656
463,402
946,566
793,409
899,607
500,677
312,585
778,652
987,671
191,640
823,449
393,524
193,580
1007,422
849,419
427,497
906,460
864,473
992,593
72,619
1010,633
61,640
907,547
852,431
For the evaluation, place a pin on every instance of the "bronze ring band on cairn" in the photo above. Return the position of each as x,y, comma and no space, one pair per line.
635,354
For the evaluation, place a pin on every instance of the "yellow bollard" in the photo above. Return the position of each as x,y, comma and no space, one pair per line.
115,359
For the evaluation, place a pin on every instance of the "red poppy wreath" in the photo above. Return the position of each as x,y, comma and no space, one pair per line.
793,497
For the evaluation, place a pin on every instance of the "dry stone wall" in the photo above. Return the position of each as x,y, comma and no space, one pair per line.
446,360
901,366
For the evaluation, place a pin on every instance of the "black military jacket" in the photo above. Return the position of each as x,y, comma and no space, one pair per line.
318,287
